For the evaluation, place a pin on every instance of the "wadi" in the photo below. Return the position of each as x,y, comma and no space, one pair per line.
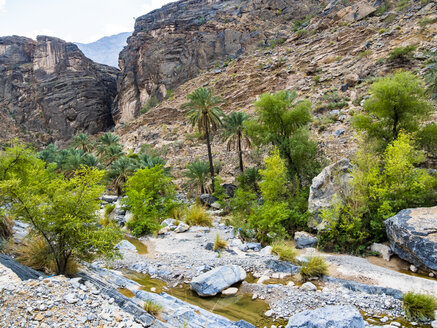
248,163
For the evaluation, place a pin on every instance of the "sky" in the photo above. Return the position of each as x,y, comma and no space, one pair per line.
82,21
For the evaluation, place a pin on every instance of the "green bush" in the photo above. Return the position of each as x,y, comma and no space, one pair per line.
401,54
150,196
315,267
197,215
285,251
419,306
380,187
427,138
398,102
150,103
249,179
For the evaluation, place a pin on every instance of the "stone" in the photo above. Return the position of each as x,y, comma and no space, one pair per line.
412,234
168,222
384,250
351,79
413,268
355,12
71,298
182,227
339,132
125,245
338,316
304,239
254,246
207,199
109,198
282,266
230,291
325,187
266,251
268,313
212,282
309,286
52,90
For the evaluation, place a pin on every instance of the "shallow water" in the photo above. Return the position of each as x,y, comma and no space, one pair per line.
236,307
141,248
376,320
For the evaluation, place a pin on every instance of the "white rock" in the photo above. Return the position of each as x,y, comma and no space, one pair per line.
309,286
230,291
266,251
382,249
125,245
262,279
268,313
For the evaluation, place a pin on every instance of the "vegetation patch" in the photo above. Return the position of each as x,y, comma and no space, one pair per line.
419,306
197,215
285,250
316,266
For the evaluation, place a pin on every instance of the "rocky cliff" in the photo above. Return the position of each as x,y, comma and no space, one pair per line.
50,91
173,44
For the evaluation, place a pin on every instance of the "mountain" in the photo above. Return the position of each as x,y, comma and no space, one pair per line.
106,49
171,45
50,91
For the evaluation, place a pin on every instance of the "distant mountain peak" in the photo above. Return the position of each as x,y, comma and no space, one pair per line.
105,50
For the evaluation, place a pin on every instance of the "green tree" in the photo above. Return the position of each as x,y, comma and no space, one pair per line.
235,133
61,211
431,76
151,196
283,122
269,218
397,102
205,113
197,172
119,171
83,142
381,186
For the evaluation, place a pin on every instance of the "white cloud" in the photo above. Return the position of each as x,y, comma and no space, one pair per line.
2,5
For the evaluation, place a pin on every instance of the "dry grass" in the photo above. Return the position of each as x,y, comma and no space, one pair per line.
219,243
152,307
315,267
285,250
35,253
197,215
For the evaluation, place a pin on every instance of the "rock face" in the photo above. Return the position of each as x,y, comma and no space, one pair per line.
413,236
214,281
171,45
343,316
325,186
49,90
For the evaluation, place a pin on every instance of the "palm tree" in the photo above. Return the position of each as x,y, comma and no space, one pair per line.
206,114
235,133
120,171
197,171
82,141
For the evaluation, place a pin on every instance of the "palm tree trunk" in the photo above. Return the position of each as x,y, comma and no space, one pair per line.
240,152
211,165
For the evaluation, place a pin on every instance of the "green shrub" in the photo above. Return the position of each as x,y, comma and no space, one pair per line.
315,267
197,215
427,138
427,21
419,306
401,54
152,102
285,251
301,33
381,186
219,243
151,196
109,208
152,307
249,179
398,102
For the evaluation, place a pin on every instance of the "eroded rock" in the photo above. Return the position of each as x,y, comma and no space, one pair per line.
413,236
214,281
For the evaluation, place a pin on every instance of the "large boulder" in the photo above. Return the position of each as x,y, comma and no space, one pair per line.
214,281
413,236
338,316
304,239
325,187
